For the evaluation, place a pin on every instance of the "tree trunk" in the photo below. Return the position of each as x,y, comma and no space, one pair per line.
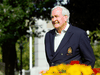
9,57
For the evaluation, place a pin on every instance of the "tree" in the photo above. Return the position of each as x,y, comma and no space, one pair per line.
12,25
13,14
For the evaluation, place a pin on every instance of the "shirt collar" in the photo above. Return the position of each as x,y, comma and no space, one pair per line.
64,31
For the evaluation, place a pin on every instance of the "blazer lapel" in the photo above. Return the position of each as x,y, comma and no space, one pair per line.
64,40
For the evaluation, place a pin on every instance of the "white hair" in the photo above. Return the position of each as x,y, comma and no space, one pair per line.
65,11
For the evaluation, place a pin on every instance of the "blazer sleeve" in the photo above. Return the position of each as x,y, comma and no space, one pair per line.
46,46
86,50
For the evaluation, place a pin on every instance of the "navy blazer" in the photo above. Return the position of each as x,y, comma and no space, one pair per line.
75,45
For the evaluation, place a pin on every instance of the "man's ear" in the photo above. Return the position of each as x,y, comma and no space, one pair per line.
65,17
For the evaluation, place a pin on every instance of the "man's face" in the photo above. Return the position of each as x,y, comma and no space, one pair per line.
57,18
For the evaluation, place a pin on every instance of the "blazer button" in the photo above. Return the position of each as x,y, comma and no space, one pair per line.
52,63
61,53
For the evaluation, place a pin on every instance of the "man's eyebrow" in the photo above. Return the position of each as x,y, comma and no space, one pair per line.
54,15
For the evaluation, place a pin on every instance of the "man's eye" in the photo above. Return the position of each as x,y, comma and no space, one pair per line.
52,17
56,16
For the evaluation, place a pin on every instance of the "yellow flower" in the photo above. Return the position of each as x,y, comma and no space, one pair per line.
52,69
63,74
98,74
57,74
74,70
55,70
61,66
67,67
86,70
48,74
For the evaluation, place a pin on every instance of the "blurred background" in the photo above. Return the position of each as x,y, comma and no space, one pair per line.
15,16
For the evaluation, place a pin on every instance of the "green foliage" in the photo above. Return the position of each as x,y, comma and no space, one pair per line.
12,28
0,55
9,21
25,53
96,49
95,35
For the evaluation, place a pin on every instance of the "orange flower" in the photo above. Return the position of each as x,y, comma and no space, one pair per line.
41,72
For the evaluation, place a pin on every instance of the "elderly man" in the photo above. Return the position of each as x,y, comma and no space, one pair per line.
66,42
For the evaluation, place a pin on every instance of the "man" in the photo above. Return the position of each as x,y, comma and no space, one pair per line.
65,42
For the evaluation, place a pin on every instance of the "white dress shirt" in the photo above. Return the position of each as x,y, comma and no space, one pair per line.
59,37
